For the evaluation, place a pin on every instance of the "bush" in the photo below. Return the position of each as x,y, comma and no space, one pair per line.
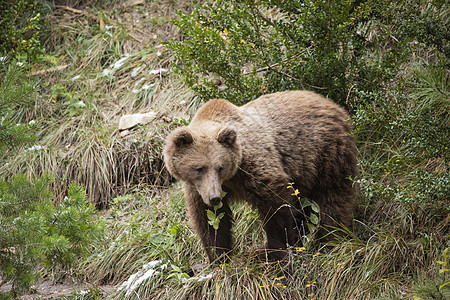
404,157
21,26
332,47
36,234
16,100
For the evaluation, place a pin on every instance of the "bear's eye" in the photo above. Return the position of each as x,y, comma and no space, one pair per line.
220,170
200,170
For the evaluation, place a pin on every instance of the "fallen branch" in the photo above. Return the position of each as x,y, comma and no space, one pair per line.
77,11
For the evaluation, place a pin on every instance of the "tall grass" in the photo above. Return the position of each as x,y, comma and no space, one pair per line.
80,141
374,263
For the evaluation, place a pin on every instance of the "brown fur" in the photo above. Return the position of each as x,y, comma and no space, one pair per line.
252,152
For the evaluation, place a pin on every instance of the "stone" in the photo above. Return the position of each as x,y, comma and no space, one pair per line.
129,121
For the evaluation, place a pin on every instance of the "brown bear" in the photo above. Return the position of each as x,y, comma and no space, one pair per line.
252,153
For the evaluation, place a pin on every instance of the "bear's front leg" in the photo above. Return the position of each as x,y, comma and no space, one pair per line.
217,243
274,203
281,231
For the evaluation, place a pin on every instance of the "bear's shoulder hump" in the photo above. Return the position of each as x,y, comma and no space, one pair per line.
216,109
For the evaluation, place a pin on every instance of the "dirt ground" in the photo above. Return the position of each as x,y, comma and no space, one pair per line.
47,289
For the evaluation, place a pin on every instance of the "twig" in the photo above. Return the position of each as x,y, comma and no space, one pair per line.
289,35
276,64
348,94
21,202
77,11
135,38
7,225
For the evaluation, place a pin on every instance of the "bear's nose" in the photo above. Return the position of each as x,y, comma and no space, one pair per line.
214,200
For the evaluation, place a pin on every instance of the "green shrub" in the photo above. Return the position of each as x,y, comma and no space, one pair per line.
36,234
407,136
404,157
21,27
240,49
17,96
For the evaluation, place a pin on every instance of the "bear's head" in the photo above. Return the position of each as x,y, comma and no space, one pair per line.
203,158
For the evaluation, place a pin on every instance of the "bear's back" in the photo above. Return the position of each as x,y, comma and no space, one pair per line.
310,133
302,104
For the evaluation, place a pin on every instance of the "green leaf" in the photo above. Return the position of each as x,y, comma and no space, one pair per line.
315,207
174,229
314,219
215,224
218,206
305,202
312,228
211,215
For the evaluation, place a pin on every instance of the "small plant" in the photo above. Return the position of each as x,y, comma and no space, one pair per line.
213,217
177,273
445,266
72,102
312,219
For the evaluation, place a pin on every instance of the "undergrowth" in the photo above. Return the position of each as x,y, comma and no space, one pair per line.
153,253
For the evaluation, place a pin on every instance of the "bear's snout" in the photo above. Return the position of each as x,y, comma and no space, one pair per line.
210,188
215,200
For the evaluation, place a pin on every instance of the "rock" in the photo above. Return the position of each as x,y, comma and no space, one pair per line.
131,3
124,133
129,121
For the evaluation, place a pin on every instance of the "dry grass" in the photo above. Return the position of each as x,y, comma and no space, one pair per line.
379,265
83,144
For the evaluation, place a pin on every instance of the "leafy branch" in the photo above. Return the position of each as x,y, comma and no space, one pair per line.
213,218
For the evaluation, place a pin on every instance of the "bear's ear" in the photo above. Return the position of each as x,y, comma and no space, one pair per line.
227,137
182,137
